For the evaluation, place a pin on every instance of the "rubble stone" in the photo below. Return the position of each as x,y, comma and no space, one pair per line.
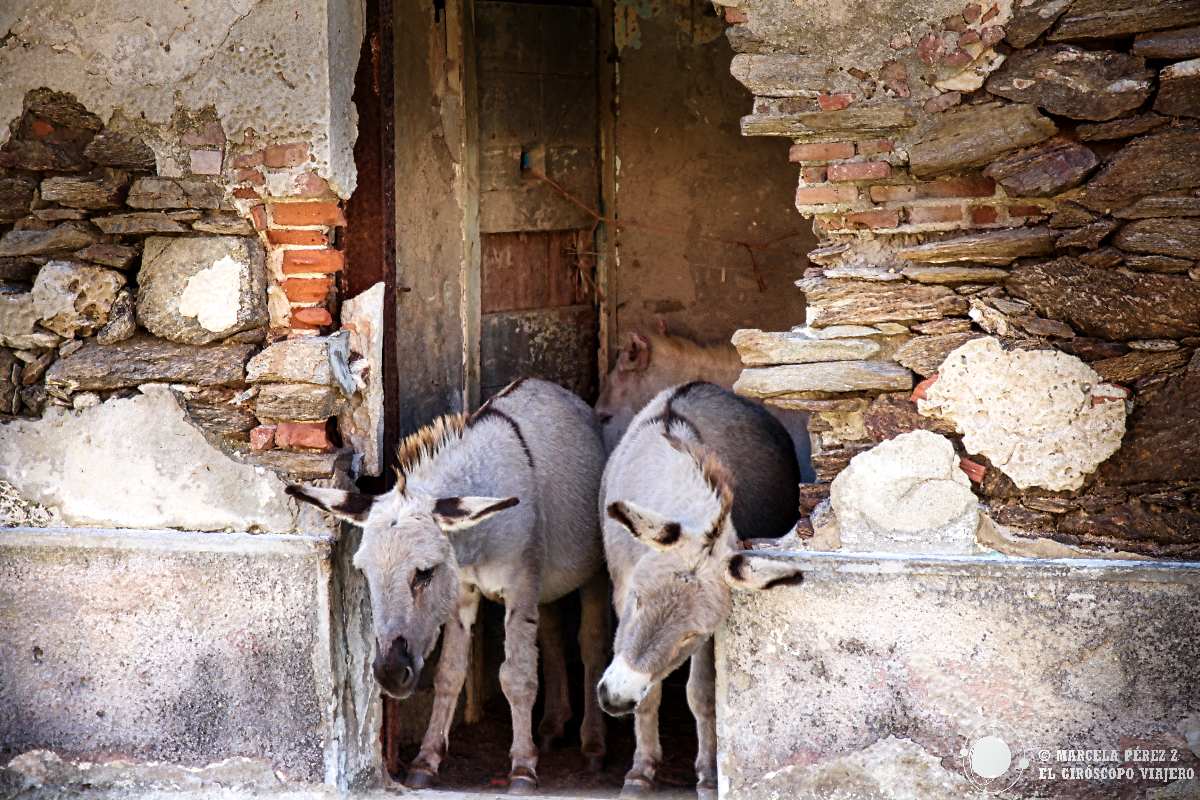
1042,417
1154,206
117,256
758,348
137,223
1109,304
1158,163
301,360
906,494
1180,43
974,136
1164,435
924,354
57,240
956,274
16,197
839,302
1105,19
199,290
1082,84
295,401
148,359
1138,364
97,190
989,247
1043,170
1032,19
165,193
72,299
122,323
1179,89
114,149
1168,237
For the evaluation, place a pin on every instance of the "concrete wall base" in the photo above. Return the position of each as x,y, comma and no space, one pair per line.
885,677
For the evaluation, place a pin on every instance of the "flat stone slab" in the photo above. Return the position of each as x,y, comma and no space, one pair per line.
974,136
1160,162
990,247
815,692
838,376
1094,85
1105,19
168,646
763,347
143,359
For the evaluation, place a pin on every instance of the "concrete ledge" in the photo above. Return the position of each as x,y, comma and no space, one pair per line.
880,672
184,648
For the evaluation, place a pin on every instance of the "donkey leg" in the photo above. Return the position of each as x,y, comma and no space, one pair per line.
648,753
702,699
594,637
451,672
519,681
557,710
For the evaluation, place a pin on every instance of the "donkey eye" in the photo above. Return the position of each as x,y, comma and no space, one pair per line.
421,578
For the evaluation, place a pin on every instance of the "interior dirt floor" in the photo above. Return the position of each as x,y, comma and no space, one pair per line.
478,757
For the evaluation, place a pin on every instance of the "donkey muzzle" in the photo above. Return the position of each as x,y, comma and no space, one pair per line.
395,669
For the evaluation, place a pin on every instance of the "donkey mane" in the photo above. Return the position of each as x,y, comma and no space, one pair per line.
715,474
420,447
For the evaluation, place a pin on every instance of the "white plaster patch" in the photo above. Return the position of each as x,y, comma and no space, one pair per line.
213,295
907,494
1042,417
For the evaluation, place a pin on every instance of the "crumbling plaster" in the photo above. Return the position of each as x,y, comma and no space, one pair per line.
284,69
142,452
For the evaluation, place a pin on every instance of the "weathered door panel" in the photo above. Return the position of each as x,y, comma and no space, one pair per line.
539,178
556,344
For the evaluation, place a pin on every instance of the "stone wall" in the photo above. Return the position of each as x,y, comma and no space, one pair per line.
1023,170
188,239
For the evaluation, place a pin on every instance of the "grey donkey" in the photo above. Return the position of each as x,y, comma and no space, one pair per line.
500,503
673,520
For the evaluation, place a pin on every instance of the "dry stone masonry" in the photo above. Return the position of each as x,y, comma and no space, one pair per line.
114,277
1008,193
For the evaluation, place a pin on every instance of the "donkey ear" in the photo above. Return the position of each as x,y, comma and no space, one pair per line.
645,525
753,573
636,357
460,513
349,506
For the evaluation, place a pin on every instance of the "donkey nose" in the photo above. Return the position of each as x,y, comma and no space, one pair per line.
394,669
615,707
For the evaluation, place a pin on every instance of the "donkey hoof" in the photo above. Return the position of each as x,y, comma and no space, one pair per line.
522,781
419,778
595,763
637,787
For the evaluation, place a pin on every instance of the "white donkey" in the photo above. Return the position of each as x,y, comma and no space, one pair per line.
671,536
500,503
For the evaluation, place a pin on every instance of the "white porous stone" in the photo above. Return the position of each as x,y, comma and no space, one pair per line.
303,360
908,495
211,295
1042,417
138,463
73,298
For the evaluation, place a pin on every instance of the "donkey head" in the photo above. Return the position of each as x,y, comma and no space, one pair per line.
677,596
409,564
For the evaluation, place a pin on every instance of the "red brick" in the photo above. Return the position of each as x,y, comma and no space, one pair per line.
262,437
248,193
860,171
984,215
287,214
834,102
975,471
873,219
972,12
823,195
823,223
250,176
248,160
284,236
735,16
206,162
305,435
311,317
258,214
813,174
823,151
301,261
307,290
873,147
292,154
970,37
886,194
921,388
1026,211
920,215
310,184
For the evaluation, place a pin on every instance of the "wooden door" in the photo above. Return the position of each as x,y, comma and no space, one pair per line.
539,179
